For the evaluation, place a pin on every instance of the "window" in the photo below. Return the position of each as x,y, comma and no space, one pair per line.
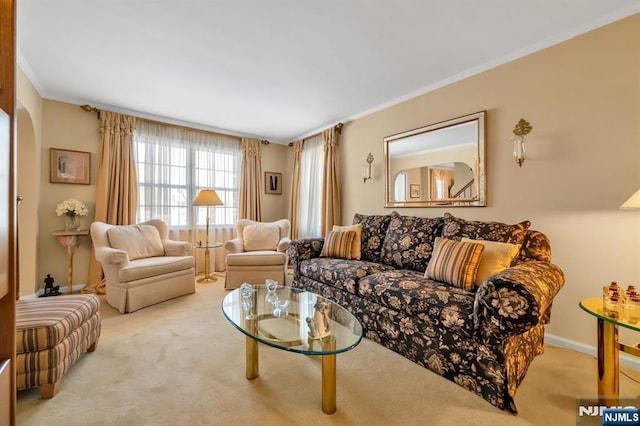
401,187
174,164
311,172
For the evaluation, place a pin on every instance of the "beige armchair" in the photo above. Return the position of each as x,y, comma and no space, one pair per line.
257,253
141,265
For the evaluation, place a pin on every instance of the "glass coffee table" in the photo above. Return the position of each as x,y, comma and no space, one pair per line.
297,321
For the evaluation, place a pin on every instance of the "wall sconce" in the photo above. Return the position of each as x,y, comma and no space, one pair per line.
522,128
366,170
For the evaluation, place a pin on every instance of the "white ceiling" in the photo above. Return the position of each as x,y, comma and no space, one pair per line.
279,69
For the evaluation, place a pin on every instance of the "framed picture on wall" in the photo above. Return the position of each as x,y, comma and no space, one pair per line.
414,191
272,183
70,166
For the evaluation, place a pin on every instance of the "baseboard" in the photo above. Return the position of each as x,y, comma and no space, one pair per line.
62,290
626,360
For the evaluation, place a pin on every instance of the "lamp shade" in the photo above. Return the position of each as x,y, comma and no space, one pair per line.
207,197
633,203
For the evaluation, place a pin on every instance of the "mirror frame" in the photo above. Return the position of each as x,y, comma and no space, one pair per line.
480,200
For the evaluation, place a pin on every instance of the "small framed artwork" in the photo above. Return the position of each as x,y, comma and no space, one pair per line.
70,166
414,191
272,183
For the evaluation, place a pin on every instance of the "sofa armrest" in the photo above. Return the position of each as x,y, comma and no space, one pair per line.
234,246
300,250
177,248
283,245
108,255
516,299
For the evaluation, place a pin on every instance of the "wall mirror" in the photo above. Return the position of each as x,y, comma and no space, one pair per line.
441,164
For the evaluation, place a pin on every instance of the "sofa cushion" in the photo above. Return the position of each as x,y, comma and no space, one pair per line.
428,302
340,273
374,229
408,243
496,257
356,252
456,228
261,236
138,241
454,262
337,244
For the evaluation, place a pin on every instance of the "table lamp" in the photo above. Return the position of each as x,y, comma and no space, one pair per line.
207,197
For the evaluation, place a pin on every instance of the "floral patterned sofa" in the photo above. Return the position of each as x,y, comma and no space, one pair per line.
483,339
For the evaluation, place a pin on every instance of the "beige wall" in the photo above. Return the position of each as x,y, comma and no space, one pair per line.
583,99
274,157
65,126
29,141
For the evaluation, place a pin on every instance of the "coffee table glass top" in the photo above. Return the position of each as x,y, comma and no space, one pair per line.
594,306
302,323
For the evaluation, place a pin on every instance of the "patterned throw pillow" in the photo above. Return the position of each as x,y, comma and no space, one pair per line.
357,241
456,228
496,257
454,262
337,244
409,241
374,228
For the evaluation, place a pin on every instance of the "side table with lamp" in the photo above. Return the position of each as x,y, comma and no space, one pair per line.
608,320
207,197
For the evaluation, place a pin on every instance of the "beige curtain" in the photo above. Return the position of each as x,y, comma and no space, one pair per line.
331,209
117,184
250,173
440,175
294,204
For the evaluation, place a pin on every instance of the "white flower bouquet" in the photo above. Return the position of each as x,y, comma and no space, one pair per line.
71,208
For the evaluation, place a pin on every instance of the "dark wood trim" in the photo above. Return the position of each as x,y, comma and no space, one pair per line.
8,203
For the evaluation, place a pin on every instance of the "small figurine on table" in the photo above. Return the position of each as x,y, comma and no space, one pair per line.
319,326
49,288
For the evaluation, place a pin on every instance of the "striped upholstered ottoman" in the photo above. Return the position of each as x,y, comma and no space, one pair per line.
51,334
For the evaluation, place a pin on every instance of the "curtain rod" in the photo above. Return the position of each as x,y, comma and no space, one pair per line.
89,108
337,127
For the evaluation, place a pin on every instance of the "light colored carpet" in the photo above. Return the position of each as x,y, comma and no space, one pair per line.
181,363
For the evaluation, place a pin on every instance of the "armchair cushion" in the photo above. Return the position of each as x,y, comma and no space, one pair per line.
261,236
138,241
153,267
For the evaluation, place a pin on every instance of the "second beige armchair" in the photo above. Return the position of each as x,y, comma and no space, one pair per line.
257,253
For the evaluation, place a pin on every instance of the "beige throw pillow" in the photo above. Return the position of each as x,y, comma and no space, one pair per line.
357,241
139,241
496,257
261,236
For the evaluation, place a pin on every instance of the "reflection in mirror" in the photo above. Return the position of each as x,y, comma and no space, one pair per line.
436,165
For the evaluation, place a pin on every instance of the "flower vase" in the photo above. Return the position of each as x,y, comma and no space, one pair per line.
71,223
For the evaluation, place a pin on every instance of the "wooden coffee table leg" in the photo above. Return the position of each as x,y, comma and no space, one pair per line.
329,376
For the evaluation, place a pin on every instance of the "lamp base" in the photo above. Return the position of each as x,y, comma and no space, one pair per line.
207,279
